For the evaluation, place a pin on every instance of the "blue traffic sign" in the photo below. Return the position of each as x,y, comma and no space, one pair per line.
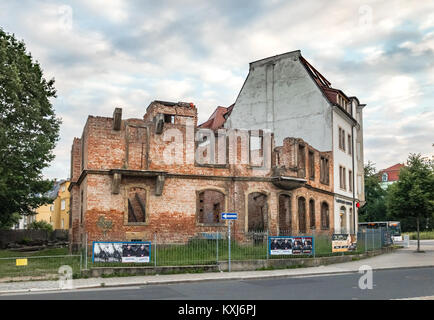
229,216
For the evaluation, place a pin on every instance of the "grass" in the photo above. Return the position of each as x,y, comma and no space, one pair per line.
44,252
43,264
424,235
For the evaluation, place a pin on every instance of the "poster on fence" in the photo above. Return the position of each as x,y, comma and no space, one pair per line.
138,252
290,245
342,243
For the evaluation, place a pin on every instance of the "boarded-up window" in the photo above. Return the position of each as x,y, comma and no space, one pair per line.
312,213
325,216
257,212
137,205
211,204
302,215
285,216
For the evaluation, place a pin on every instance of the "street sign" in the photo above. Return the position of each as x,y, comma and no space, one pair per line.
229,216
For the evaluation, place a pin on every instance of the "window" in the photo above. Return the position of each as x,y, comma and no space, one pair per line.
301,161
325,222
302,215
256,148
385,177
257,212
137,205
210,205
169,118
343,219
63,188
350,145
62,205
311,165
312,213
285,215
52,208
324,170
350,180
342,178
342,139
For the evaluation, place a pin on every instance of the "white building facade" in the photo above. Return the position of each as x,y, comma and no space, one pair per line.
288,96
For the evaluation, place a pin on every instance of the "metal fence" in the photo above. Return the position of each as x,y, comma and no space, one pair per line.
210,248
206,248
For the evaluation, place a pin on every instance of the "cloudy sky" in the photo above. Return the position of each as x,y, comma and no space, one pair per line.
106,54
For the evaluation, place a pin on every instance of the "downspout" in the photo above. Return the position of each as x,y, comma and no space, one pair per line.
353,173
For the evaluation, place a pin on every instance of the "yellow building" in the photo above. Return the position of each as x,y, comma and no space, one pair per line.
56,213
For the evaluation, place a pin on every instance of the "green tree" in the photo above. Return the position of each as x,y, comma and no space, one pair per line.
29,130
375,206
412,196
40,225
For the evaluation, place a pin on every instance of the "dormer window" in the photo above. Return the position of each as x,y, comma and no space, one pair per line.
343,103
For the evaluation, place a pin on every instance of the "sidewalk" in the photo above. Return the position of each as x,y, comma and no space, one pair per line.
402,258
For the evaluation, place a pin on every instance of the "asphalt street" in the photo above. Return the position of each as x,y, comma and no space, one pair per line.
387,284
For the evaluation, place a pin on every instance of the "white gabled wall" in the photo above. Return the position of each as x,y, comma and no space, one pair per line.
280,95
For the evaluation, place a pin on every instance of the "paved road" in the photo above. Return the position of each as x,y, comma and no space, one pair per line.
387,284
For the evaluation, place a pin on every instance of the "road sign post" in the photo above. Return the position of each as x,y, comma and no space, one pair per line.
229,216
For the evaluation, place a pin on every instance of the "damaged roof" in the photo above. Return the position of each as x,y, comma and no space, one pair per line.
218,118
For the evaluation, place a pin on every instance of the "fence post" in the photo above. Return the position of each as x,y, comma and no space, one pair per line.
155,249
217,247
313,242
85,252
267,246
229,248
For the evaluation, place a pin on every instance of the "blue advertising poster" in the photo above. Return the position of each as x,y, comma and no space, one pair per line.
291,245
136,252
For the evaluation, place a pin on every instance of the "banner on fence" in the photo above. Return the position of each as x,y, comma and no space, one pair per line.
290,245
139,252
342,242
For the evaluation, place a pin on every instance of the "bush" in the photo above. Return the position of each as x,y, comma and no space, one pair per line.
41,225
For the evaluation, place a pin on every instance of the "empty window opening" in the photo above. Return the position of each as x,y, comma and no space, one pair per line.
137,205
302,215
257,212
311,165
325,223
169,118
301,161
324,170
210,206
312,214
285,217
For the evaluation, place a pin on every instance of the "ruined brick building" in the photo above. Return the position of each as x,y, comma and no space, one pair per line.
163,173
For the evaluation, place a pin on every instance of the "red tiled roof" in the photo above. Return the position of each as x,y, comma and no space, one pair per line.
218,118
392,172
323,83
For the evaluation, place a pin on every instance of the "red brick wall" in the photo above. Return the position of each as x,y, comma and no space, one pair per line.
173,215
